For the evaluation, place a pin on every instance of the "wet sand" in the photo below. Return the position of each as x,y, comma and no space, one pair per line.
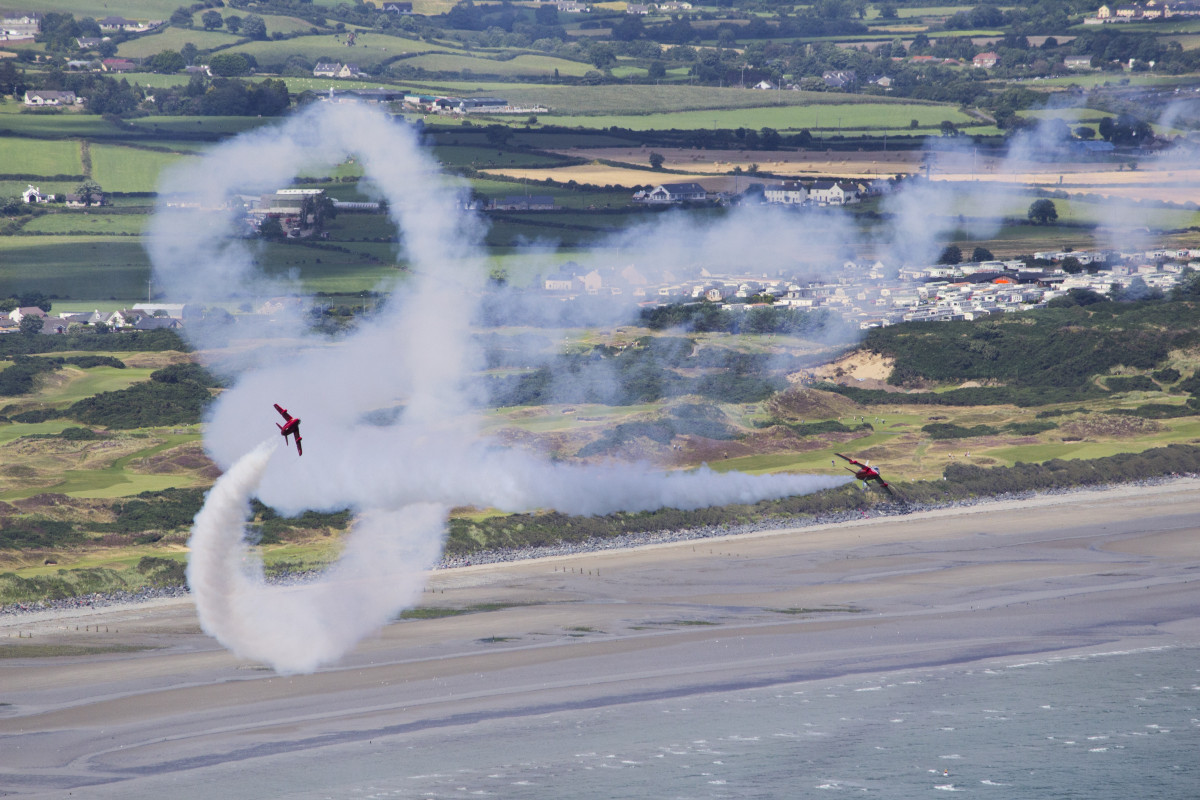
153,700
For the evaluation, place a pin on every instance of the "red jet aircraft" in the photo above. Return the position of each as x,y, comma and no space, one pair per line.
290,426
867,473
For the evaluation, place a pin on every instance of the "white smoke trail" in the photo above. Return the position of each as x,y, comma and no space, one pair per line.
415,358
299,628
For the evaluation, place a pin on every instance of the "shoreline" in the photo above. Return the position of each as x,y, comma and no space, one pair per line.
126,700
71,606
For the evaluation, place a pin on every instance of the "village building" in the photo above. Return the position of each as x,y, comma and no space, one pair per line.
840,78
786,193
537,202
50,97
673,193
985,60
833,193
117,65
15,29
34,195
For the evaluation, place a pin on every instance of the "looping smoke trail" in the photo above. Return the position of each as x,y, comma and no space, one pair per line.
416,357
298,628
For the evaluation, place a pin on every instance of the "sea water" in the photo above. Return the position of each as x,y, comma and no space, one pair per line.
1114,725
1102,726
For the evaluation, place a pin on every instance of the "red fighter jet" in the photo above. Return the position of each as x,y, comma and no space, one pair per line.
291,425
866,473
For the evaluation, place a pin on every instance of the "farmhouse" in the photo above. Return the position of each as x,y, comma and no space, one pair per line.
839,78
18,314
398,8
1078,62
537,202
117,65
985,60
326,69
787,193
116,24
571,6
16,28
639,9
48,97
833,193
674,193
34,195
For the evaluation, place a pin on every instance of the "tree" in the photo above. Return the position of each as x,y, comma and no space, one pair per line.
656,160
234,23
497,135
188,51
1084,132
952,254
228,65
211,20
167,62
1042,212
271,228
182,17
31,324
89,191
982,254
254,27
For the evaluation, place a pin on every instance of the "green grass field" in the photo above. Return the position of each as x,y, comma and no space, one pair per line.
871,117
369,50
26,156
522,65
94,223
66,125
129,169
76,268
617,99
130,9
172,38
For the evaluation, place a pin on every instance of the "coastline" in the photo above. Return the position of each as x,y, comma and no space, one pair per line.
72,606
136,695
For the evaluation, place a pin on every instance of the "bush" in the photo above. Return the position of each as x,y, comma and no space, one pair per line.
144,405
1136,383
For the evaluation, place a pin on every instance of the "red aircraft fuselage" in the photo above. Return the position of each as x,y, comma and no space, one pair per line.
290,426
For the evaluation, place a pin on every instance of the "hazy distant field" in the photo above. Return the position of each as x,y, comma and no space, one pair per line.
786,118
172,38
31,157
538,65
131,9
129,169
75,267
370,49
612,99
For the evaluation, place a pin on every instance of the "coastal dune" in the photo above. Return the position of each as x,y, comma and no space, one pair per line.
121,701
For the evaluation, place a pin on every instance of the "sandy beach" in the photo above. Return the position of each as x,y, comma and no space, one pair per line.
124,701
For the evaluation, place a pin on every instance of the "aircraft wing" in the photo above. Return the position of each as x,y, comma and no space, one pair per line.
839,455
299,449
283,412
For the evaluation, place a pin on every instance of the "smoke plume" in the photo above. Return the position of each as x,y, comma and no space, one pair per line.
389,421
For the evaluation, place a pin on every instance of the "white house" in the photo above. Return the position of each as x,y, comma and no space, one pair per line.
34,195
833,193
676,193
48,97
787,193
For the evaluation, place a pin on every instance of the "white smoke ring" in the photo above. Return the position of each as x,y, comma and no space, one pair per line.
416,355
298,628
